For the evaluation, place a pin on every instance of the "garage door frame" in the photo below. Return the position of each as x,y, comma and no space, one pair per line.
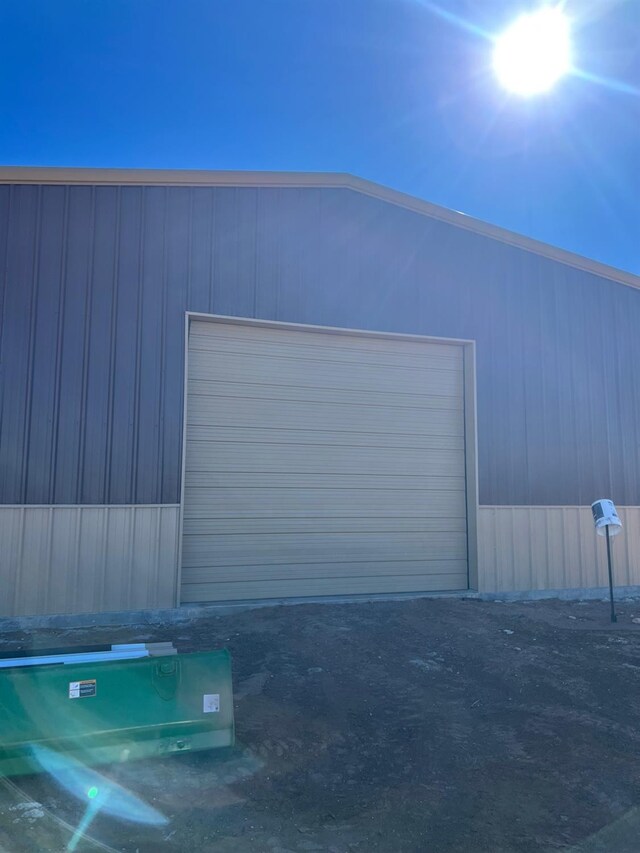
470,426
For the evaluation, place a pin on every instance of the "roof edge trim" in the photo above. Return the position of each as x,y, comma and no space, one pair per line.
343,180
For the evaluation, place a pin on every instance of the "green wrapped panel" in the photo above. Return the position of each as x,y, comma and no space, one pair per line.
115,710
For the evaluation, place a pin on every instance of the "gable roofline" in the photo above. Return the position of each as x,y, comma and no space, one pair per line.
335,180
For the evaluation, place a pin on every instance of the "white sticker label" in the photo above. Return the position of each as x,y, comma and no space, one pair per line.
210,703
82,689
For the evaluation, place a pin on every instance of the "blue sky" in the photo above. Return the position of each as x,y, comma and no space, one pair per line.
384,89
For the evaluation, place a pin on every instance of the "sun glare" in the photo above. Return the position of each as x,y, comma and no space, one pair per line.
534,52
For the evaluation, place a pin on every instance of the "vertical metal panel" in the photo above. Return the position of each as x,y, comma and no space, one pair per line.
4,242
200,266
148,486
68,418
234,239
81,559
96,280
44,349
540,547
19,295
124,362
99,376
177,256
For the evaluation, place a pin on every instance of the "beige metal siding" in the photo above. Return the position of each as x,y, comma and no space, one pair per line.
87,559
524,548
320,463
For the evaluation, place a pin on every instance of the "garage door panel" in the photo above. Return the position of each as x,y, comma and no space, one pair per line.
233,550
316,374
331,524
261,573
321,464
270,438
392,582
294,393
370,482
264,503
204,457
439,358
320,345
283,414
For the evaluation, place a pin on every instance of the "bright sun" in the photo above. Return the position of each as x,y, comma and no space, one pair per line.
534,52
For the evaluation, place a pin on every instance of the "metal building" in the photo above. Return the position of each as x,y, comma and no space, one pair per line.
228,386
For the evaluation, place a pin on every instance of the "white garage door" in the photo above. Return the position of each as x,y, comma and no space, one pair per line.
321,464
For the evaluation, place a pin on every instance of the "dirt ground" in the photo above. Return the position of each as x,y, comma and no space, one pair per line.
422,725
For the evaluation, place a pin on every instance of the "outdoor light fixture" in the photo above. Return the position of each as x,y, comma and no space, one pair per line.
534,52
607,523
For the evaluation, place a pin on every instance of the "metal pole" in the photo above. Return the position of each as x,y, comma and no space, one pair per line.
614,618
